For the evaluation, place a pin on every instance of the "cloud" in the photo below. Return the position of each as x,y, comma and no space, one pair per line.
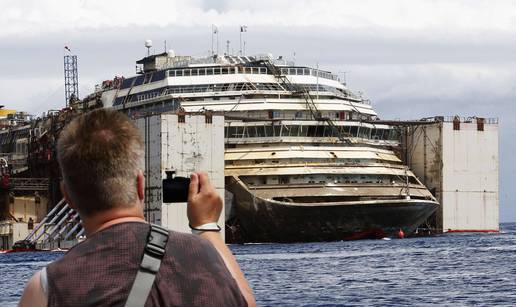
33,17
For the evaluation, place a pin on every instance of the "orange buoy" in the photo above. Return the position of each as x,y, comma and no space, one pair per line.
401,234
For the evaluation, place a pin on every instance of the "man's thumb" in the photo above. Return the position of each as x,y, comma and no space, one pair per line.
193,189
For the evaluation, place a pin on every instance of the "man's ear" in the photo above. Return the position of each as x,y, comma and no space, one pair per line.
66,195
140,185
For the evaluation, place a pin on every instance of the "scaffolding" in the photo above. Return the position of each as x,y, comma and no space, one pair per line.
71,77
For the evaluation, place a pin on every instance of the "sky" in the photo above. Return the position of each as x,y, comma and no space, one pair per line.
412,58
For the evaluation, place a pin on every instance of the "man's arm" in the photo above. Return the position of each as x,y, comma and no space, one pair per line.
33,294
205,206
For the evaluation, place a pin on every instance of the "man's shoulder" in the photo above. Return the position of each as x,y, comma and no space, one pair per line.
123,236
193,249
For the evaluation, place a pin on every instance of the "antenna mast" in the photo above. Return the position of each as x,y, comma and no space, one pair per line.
242,30
71,77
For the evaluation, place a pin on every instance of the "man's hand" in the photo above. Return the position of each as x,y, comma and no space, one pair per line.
204,203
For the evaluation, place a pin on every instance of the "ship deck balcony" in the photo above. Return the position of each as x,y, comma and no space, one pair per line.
317,168
309,140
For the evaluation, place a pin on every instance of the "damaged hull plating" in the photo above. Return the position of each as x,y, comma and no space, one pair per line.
267,220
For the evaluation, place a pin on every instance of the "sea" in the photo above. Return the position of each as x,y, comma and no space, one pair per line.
444,270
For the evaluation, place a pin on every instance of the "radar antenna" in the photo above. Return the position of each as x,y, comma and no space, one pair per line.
148,45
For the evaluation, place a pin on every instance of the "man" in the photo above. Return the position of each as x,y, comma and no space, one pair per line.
101,158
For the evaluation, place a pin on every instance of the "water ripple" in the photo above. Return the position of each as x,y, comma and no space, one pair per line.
458,269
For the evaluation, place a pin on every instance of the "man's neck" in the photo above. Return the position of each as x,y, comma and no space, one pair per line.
103,220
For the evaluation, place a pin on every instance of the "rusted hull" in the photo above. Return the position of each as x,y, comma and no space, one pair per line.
262,220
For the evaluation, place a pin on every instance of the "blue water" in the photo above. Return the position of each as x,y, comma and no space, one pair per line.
459,269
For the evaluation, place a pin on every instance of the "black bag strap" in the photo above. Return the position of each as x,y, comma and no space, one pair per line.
149,267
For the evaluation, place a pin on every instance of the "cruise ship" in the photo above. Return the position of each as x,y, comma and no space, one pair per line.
304,158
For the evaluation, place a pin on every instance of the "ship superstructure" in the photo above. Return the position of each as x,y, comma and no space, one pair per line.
304,158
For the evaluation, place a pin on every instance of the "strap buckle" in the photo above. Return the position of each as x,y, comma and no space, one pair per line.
156,241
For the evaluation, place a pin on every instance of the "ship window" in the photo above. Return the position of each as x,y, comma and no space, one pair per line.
269,131
353,131
250,131
480,124
148,78
344,130
376,134
277,130
232,131
310,130
385,135
303,130
258,131
195,72
244,131
393,134
139,80
239,132
328,131
320,131
209,71
291,131
366,132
